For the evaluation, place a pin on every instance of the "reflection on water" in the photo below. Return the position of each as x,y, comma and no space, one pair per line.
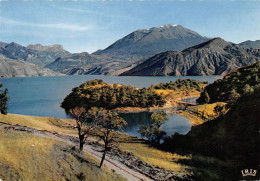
42,96
175,123
191,100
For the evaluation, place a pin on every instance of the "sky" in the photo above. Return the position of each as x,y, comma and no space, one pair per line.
89,25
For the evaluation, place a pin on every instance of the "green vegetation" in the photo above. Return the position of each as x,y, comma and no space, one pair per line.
181,84
233,85
96,93
29,157
153,132
3,100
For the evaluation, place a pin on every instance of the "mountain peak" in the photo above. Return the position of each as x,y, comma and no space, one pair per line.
169,26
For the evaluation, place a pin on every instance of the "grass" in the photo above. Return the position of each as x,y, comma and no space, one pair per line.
29,157
194,120
206,168
142,150
203,112
62,126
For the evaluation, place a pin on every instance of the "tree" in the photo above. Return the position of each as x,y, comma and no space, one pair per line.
108,122
233,95
204,98
85,129
154,132
3,100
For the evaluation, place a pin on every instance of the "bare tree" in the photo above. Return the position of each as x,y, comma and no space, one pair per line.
108,123
84,127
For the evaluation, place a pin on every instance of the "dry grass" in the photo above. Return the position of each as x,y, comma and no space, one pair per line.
29,157
194,120
204,112
153,156
180,94
62,126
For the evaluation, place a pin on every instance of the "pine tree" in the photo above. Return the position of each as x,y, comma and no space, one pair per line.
3,100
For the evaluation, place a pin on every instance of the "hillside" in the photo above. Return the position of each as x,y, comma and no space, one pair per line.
250,44
25,156
214,57
129,51
59,158
37,54
13,68
234,84
228,138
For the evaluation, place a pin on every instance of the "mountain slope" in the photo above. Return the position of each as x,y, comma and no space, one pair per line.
214,57
36,54
13,68
250,44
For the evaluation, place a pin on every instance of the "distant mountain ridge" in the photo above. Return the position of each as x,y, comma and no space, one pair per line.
214,57
250,44
37,54
129,51
48,48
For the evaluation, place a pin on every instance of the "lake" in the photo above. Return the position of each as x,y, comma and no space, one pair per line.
42,96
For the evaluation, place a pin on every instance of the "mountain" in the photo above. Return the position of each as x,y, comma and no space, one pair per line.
36,54
129,51
13,68
214,57
250,44
147,42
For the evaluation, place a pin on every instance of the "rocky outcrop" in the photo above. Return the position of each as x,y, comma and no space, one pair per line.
214,57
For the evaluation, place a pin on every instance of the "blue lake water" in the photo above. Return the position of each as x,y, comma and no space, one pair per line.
42,96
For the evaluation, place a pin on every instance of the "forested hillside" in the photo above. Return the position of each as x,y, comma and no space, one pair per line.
234,84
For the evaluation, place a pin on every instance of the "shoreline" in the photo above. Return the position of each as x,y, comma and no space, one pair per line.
172,103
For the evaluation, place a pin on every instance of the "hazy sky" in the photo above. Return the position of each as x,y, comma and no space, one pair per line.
88,25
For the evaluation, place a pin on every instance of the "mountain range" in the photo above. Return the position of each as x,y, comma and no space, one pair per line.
129,51
214,57
165,50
